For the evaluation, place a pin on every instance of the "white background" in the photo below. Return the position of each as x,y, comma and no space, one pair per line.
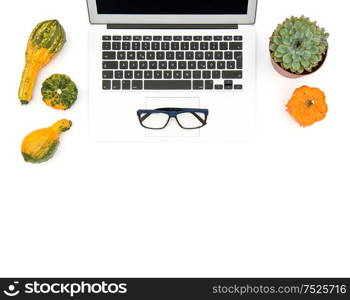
278,206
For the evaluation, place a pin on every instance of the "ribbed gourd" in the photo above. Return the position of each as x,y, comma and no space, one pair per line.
40,145
59,91
45,41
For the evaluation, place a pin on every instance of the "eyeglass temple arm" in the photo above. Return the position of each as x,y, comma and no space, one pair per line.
199,118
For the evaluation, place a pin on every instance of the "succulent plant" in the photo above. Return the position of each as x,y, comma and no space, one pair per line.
298,45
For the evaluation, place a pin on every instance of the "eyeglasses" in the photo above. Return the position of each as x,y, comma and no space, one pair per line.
187,118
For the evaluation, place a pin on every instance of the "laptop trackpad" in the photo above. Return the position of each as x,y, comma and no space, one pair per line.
173,129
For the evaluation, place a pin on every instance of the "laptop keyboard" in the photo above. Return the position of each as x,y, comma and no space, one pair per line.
172,62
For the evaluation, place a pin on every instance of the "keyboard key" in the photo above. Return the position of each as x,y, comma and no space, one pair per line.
123,65
126,46
223,46
137,38
177,74
209,84
232,74
153,65
197,74
228,85
189,55
235,46
194,46
185,46
175,46
216,74
206,74
192,65
128,75
187,38
167,38
137,84
197,38
138,74
202,65
228,38
165,46
163,65
238,87
211,65
141,55
110,65
231,65
239,60
106,37
126,38
147,38
116,45
199,55
167,84
133,65
160,55
143,65
168,74
219,55
126,84
136,46
157,74
157,38
219,86
218,38
208,38
170,55
228,55
106,46
186,74
214,46
108,55
148,74
221,65
146,46
118,74
177,38
116,84
182,65
107,74
131,55
180,55
204,46
121,55
117,38
106,84
155,46
238,38
172,65
209,55
151,55
198,84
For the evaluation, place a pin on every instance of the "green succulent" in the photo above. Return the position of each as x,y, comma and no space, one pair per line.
298,45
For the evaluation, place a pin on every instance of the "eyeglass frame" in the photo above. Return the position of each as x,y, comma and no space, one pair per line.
173,112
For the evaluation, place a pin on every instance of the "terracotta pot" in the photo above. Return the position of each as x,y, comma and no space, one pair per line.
288,74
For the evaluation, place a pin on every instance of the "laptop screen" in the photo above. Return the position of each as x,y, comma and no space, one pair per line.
179,7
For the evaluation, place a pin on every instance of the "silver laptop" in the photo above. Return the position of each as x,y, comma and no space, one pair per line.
155,66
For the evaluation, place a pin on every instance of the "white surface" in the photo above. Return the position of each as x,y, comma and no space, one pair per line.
278,206
113,113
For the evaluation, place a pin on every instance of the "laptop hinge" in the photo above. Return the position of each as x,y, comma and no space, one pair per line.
172,26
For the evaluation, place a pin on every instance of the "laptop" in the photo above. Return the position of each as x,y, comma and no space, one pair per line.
181,55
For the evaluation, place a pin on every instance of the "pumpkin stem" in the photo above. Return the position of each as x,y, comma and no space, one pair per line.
309,103
29,76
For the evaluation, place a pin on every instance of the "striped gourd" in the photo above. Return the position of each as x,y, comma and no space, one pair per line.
45,41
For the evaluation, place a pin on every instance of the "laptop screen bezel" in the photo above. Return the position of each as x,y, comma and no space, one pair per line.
96,18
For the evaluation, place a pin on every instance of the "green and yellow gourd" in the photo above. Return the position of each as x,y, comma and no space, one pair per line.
41,145
45,41
59,91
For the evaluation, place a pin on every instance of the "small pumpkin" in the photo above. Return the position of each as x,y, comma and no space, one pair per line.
307,105
40,145
45,41
59,91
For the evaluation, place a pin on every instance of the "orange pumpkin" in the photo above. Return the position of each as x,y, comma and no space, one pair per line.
307,105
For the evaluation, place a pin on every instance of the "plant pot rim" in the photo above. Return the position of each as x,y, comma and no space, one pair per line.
289,74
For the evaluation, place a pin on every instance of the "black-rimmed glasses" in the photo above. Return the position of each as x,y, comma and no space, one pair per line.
187,118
